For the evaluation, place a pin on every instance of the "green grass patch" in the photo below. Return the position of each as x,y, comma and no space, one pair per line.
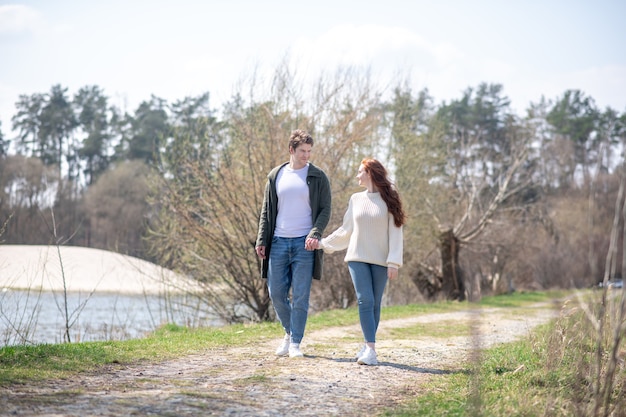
398,312
253,380
519,299
38,362
443,329
333,318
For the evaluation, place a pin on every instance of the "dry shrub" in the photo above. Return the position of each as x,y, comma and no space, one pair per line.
578,357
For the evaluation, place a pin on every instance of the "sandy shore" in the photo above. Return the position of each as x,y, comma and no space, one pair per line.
84,269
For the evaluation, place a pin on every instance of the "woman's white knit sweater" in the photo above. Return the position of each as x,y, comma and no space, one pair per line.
368,232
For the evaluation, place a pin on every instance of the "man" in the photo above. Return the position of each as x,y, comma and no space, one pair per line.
295,212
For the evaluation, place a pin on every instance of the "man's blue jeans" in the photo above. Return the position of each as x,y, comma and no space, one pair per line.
369,283
290,267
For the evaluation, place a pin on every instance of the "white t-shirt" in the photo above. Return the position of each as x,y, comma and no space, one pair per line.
294,207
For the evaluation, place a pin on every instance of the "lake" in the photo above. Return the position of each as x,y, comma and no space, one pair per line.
39,316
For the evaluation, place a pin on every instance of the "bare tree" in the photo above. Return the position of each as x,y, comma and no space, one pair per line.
209,211
116,208
476,169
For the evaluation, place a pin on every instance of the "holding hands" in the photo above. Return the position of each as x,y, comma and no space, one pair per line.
312,244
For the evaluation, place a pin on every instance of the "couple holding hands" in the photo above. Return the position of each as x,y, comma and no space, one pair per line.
296,210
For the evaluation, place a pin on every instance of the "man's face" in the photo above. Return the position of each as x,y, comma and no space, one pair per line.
301,155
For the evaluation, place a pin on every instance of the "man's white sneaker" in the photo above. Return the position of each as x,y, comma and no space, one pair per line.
294,351
368,357
283,349
360,353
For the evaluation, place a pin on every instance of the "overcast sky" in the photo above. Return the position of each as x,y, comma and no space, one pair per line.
180,48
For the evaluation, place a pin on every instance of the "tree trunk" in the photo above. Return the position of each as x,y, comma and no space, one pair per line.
452,285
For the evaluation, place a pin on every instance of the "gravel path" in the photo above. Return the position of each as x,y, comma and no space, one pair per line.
251,381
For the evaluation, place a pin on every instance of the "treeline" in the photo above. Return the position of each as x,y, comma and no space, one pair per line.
75,169
496,200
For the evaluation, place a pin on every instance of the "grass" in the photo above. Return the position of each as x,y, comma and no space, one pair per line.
545,374
19,364
443,330
551,373
509,381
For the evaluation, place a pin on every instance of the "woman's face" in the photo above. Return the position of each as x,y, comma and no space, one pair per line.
363,177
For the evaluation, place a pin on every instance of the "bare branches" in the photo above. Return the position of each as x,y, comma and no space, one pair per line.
505,189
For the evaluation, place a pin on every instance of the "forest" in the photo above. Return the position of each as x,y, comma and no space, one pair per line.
496,201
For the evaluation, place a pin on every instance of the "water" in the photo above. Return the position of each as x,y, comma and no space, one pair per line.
39,317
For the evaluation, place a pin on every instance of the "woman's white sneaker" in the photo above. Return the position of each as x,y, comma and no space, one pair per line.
360,352
368,357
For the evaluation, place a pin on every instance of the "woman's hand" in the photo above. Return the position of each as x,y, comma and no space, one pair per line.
392,273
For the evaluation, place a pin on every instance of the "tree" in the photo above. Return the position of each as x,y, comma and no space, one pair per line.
4,144
575,118
419,157
94,118
466,165
27,188
57,125
611,134
196,135
27,121
116,207
148,131
206,224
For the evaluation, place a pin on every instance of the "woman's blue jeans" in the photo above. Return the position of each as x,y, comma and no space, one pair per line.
290,268
369,283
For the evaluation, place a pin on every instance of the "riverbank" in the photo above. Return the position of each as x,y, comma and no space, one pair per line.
78,269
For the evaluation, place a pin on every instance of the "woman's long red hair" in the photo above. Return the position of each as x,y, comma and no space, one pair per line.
378,174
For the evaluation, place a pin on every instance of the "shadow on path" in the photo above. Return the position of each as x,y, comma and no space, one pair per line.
400,366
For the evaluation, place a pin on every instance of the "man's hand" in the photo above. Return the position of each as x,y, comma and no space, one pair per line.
260,251
311,244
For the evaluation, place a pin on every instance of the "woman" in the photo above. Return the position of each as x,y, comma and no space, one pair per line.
372,234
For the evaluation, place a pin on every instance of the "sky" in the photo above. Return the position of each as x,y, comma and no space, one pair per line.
133,49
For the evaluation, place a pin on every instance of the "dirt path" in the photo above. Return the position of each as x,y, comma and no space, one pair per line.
251,381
